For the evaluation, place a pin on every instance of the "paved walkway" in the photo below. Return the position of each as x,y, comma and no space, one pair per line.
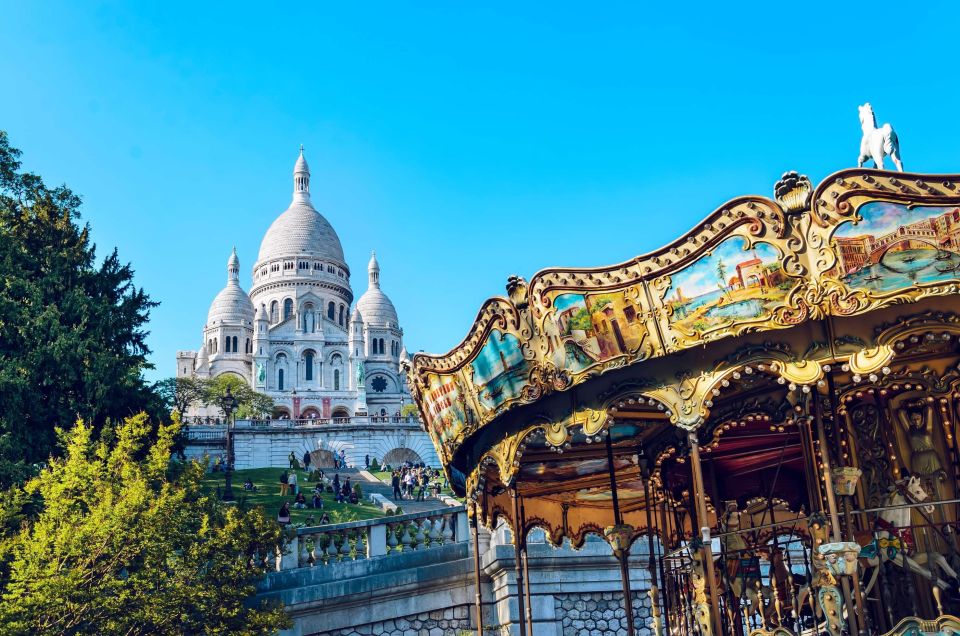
370,484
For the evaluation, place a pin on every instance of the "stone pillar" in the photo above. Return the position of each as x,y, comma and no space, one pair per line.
287,556
377,540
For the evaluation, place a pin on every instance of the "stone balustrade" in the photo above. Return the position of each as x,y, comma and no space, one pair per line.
320,546
355,420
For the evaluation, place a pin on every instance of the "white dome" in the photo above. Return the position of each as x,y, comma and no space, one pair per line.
301,230
374,306
232,303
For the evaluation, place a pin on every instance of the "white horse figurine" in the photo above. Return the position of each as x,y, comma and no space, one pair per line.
893,539
877,142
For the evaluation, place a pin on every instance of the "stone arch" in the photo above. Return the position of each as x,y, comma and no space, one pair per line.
340,411
311,412
398,456
280,412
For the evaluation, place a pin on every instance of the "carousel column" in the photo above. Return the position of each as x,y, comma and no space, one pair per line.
651,561
526,570
834,517
518,553
699,498
619,536
475,522
845,482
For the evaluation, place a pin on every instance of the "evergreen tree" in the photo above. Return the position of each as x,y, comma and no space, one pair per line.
72,331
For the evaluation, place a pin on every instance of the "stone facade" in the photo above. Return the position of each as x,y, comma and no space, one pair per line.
600,614
445,622
388,441
412,593
294,336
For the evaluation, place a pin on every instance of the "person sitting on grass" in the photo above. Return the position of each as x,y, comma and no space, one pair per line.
284,515
300,502
324,519
317,501
249,486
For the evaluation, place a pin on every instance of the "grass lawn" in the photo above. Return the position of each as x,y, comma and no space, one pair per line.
268,496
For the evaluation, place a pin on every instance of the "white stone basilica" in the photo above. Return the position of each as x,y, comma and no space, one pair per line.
294,336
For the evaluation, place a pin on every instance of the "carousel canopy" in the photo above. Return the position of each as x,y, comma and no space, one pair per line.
720,339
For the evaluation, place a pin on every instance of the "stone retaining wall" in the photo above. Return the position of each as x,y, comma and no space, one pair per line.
600,614
445,622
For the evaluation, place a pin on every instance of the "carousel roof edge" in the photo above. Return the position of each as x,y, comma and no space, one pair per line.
793,195
785,259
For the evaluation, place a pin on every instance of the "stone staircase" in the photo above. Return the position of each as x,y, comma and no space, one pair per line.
371,485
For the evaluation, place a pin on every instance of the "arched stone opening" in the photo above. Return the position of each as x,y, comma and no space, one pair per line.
398,456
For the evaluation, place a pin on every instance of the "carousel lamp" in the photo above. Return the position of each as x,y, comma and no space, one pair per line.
827,368
748,370
845,367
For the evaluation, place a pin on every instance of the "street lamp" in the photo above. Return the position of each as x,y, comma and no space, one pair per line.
229,403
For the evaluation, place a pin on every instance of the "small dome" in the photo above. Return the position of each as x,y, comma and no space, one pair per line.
202,357
374,305
262,312
232,303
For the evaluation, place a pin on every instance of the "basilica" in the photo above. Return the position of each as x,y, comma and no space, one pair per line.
297,335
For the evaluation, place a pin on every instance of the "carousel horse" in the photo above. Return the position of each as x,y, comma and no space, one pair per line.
877,142
740,574
893,538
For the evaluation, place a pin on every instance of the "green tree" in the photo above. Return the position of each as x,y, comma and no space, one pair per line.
124,544
250,403
72,331
179,394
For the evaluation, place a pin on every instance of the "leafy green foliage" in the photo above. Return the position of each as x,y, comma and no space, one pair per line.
582,320
179,394
72,331
250,403
124,544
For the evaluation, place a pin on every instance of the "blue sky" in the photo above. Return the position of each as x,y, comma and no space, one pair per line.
463,142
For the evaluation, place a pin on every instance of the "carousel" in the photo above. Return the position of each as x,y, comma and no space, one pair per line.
769,403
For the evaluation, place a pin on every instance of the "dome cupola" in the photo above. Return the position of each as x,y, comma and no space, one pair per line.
232,305
374,306
300,230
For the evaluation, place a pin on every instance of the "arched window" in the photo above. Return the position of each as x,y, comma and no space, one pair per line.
331,311
287,308
308,363
247,348
336,379
341,315
280,379
382,350
273,312
235,350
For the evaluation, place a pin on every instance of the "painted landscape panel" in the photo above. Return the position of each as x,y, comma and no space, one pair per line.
499,370
728,285
894,246
588,328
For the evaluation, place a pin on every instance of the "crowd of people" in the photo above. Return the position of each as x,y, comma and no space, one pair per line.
415,482
342,491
